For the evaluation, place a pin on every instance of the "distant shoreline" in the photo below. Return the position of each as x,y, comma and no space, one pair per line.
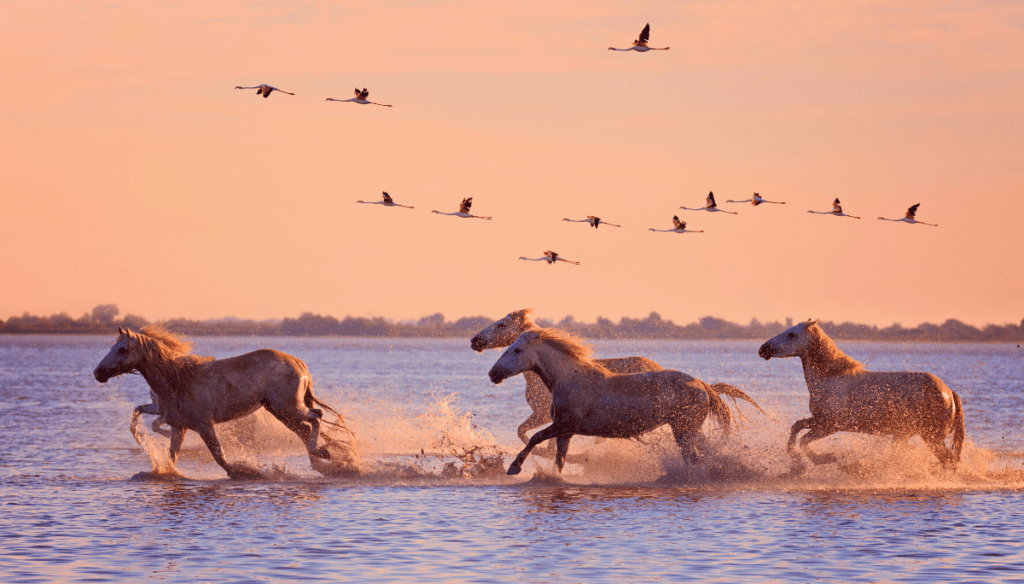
103,321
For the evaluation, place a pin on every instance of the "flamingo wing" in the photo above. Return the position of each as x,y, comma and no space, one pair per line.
645,35
711,200
465,205
912,211
387,197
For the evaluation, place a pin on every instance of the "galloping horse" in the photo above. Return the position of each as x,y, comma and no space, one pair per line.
845,397
505,331
194,393
590,400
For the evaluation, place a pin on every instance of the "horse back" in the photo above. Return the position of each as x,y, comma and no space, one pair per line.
890,402
224,389
629,365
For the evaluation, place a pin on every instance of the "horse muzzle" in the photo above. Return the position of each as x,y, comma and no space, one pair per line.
477,344
496,375
101,375
766,352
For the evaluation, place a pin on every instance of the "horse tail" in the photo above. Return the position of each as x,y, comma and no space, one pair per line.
310,400
958,429
720,411
735,392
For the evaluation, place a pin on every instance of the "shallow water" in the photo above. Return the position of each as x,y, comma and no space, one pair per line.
80,502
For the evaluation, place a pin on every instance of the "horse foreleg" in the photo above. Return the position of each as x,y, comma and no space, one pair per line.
158,427
816,433
548,433
799,426
177,438
536,420
563,449
209,436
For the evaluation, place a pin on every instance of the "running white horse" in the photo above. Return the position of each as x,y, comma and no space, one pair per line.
589,400
640,44
195,393
503,332
846,397
709,205
264,89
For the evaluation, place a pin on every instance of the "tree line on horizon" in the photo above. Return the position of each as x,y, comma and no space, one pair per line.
103,320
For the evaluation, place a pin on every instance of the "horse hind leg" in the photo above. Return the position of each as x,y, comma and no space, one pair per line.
306,427
689,440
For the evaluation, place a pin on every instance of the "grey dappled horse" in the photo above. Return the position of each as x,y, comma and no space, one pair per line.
846,397
195,393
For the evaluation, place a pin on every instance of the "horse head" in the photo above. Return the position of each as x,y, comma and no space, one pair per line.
122,358
792,342
502,333
516,359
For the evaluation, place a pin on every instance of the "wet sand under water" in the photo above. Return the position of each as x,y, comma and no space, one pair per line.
81,501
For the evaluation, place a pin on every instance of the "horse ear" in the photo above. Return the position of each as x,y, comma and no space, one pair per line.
532,337
120,331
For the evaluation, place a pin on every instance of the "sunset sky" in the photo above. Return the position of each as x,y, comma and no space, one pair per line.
133,173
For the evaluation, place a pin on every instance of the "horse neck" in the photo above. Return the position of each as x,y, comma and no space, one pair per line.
556,369
167,377
156,375
824,360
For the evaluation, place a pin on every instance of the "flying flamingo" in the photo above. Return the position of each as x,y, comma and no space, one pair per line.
387,201
464,210
909,218
640,45
361,95
550,257
263,89
593,221
710,205
757,200
837,210
680,227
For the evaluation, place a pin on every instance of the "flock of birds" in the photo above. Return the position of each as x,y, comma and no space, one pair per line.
679,226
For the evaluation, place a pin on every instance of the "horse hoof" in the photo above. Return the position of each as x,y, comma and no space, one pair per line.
514,469
244,472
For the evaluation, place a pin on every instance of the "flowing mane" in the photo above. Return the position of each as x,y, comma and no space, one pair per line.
566,343
829,359
170,353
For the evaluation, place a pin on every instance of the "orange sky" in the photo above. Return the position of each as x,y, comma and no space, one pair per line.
133,173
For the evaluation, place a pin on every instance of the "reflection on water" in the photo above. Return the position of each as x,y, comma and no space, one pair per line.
79,505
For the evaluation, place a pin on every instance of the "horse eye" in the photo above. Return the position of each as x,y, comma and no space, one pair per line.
517,350
791,335
502,325
121,350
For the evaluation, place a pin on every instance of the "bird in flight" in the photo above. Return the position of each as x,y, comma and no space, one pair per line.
387,201
361,95
464,210
592,220
550,257
837,210
264,89
680,227
757,200
909,217
710,205
640,44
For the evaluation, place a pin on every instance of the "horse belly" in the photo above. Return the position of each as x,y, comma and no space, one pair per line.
620,420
